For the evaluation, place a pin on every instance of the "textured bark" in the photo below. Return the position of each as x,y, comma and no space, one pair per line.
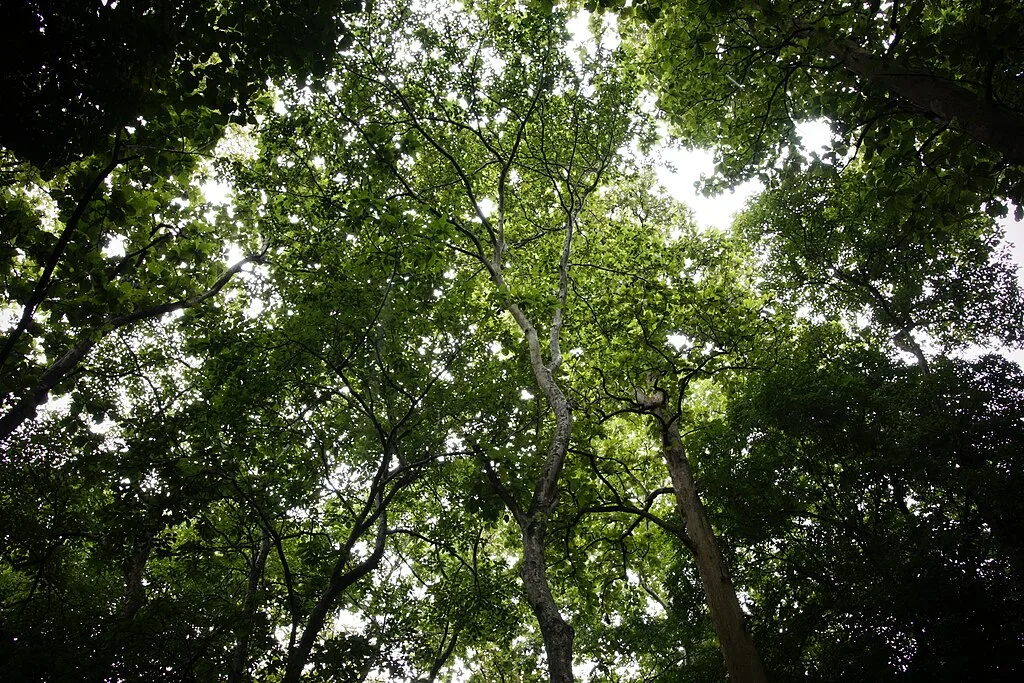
741,657
558,635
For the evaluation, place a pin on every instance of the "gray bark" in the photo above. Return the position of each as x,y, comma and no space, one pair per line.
741,656
557,633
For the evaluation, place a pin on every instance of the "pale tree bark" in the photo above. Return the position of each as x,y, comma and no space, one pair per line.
557,633
742,660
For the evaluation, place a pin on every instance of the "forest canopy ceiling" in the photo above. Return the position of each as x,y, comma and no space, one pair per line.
448,389
79,72
923,83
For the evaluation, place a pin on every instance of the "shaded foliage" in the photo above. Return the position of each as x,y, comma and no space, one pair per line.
446,388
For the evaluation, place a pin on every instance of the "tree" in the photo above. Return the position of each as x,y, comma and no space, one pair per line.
499,142
916,83
909,259
683,312
483,403
61,252
867,508
118,101
83,72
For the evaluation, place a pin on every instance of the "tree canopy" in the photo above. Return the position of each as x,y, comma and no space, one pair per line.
443,386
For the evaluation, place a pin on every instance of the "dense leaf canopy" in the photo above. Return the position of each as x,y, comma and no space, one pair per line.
359,343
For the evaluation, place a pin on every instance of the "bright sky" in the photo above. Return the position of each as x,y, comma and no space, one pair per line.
687,168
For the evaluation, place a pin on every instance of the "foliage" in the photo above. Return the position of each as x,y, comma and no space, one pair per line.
910,258
917,84
400,406
82,71
874,498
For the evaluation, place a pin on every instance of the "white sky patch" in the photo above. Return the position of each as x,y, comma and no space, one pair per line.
583,40
115,247
816,136
654,608
486,206
1014,239
233,253
350,622
216,192
1014,236
679,341
10,314
683,170
254,309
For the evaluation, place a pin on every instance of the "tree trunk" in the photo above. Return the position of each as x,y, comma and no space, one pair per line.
134,590
558,635
990,123
741,657
240,655
340,581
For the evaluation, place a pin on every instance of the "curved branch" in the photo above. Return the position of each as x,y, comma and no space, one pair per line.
39,292
25,408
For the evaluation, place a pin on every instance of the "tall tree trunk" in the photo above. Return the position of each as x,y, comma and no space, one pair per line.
240,655
741,657
558,635
134,590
